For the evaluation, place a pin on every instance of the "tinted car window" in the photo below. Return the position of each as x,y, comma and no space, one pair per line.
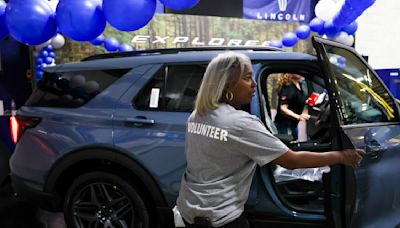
72,89
364,98
173,89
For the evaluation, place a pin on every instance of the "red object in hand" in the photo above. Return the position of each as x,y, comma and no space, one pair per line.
313,99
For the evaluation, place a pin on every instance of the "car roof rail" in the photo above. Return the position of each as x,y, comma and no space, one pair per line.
179,50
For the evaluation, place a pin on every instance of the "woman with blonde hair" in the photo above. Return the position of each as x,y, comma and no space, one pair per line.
291,103
224,145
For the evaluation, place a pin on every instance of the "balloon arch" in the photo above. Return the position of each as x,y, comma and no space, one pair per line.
40,23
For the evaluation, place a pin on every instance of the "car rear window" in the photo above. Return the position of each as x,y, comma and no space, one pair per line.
72,89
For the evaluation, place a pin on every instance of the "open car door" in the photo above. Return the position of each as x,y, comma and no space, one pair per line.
368,118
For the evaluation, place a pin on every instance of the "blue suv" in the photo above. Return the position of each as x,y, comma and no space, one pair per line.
103,139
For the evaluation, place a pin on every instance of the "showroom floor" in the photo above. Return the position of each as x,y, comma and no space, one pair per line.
16,213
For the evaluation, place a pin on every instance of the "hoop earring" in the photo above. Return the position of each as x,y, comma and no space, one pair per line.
229,96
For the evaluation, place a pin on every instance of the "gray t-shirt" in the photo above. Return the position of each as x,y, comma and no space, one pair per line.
222,151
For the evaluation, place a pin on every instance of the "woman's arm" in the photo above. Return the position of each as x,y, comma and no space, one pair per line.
307,159
287,112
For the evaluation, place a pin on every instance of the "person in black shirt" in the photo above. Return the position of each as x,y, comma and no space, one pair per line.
290,104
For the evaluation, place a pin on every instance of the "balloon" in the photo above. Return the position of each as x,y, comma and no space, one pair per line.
98,40
129,15
52,54
341,60
111,44
349,40
351,28
30,21
76,81
276,43
316,24
43,65
42,45
48,60
330,28
53,4
289,39
344,38
81,20
58,41
125,48
326,9
44,54
303,32
39,74
49,48
180,4
3,25
92,86
39,61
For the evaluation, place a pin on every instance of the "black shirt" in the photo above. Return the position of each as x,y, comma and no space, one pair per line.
294,98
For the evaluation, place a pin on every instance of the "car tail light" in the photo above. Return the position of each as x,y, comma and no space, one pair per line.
18,124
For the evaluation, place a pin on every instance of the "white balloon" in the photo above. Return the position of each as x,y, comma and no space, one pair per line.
341,37
58,41
349,40
333,60
327,9
344,38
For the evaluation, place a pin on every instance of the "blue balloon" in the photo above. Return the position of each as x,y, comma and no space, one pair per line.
125,48
39,60
127,15
81,20
317,25
49,48
39,74
111,44
330,28
180,4
341,60
43,53
276,43
289,39
30,21
52,54
48,60
43,65
98,40
303,32
3,25
351,28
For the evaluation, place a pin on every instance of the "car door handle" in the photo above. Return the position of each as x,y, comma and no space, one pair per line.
373,151
138,121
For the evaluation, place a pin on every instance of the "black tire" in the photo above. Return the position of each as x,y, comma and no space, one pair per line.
98,198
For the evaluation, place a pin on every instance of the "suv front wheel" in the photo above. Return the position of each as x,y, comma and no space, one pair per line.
100,199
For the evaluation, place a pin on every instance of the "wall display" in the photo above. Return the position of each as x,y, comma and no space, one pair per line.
176,31
278,10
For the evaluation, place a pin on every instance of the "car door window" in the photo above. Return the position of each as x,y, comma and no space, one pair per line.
72,89
364,98
172,89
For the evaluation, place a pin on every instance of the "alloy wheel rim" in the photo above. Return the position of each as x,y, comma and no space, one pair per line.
103,205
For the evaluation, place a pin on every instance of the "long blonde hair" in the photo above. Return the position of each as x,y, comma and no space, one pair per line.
225,69
283,80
